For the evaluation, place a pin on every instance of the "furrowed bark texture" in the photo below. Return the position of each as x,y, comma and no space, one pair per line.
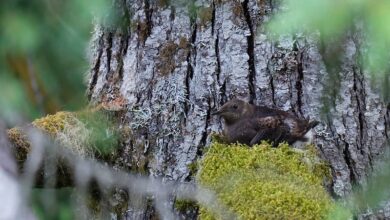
171,69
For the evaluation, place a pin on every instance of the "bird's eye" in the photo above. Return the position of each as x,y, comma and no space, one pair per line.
235,106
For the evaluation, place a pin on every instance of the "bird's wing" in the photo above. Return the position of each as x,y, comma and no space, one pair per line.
268,128
258,137
269,122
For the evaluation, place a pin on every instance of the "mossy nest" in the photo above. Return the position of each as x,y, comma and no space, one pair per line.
265,183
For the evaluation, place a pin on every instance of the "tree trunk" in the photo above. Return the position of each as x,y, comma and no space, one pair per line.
168,70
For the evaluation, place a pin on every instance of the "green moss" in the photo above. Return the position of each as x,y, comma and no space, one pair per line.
138,160
18,138
184,43
87,133
237,9
184,46
53,124
103,133
143,30
205,15
265,183
193,168
163,3
185,205
192,11
341,211
218,138
167,58
171,54
21,144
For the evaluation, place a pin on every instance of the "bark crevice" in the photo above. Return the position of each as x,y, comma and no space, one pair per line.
359,93
145,29
386,121
218,66
95,69
127,21
349,162
300,76
203,139
109,53
223,93
190,69
193,41
250,51
222,87
123,48
271,83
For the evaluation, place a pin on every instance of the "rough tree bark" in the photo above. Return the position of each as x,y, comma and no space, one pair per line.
168,71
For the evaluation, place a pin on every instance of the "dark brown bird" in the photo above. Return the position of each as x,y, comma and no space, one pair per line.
250,124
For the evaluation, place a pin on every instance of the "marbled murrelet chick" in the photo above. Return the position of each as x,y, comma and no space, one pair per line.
250,124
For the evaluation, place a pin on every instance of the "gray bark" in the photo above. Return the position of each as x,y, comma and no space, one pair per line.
169,72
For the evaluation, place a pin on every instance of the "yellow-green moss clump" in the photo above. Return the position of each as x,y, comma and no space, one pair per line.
22,145
265,183
62,126
67,129
53,124
85,133
185,205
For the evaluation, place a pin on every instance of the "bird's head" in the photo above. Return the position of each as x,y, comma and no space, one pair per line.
233,110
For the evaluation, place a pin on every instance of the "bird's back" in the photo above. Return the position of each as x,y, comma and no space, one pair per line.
250,124
294,128
264,111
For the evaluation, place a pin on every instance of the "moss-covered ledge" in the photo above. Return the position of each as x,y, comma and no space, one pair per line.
266,183
88,134
253,183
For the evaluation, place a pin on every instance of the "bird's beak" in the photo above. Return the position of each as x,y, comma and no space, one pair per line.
217,112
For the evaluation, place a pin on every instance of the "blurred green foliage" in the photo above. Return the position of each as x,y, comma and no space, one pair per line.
376,190
53,203
104,133
42,66
335,20
369,195
43,55
12,99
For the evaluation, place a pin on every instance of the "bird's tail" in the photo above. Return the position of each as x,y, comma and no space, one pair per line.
306,135
312,124
309,126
